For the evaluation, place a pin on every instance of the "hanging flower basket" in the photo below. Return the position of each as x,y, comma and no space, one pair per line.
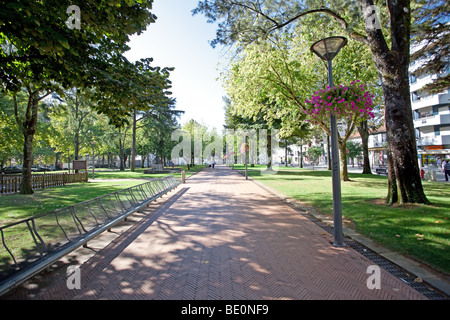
352,102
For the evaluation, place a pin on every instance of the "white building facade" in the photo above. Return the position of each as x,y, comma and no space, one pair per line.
431,116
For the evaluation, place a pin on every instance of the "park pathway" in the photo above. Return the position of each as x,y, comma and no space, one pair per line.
222,237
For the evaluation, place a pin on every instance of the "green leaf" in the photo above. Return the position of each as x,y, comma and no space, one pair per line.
64,43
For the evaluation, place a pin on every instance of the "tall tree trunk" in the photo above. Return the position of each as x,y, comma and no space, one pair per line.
77,130
121,155
133,143
363,129
25,186
402,146
393,66
77,146
392,196
56,159
285,152
343,158
28,127
269,149
301,155
328,152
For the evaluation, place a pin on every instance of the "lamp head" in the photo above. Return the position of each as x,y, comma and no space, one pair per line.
328,48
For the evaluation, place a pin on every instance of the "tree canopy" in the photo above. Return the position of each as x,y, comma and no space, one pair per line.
43,52
384,27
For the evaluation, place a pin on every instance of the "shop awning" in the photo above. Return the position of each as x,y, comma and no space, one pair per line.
437,151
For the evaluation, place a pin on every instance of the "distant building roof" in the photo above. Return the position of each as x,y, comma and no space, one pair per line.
380,129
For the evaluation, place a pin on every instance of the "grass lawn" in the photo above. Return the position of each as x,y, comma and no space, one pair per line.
15,207
419,231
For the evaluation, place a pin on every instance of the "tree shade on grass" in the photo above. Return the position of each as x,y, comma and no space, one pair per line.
14,207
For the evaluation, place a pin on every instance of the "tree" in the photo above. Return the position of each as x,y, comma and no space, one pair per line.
355,62
272,81
10,137
354,150
431,41
147,95
78,113
159,124
237,120
314,153
41,54
196,131
350,104
248,20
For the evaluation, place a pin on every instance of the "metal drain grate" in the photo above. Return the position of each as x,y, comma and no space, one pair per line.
386,264
395,270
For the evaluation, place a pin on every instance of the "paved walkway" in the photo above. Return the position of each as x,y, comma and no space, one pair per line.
220,236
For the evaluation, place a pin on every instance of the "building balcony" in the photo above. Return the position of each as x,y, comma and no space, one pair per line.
377,144
437,141
432,120
419,84
430,100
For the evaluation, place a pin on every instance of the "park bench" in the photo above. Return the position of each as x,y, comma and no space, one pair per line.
31,245
381,170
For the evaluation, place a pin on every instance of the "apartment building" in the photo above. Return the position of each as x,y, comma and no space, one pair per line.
431,116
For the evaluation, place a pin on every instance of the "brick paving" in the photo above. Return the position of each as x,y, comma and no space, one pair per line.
221,237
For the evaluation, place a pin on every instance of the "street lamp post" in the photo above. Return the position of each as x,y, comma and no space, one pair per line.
327,49
87,167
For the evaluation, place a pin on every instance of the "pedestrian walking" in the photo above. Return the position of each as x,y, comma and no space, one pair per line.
447,169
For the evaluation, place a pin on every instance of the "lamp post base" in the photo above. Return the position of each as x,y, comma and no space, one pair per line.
339,245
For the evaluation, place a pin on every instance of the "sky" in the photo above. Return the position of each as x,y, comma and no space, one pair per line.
180,40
